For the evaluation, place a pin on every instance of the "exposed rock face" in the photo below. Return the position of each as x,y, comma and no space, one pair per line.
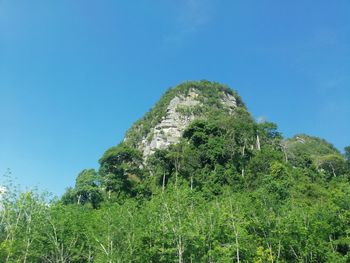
179,114
229,102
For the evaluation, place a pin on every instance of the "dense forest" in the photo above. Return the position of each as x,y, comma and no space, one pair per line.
230,190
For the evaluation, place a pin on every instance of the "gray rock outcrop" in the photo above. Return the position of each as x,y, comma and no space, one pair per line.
179,114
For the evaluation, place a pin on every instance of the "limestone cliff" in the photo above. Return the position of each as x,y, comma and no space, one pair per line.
165,123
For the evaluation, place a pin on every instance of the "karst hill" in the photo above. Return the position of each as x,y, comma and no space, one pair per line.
201,132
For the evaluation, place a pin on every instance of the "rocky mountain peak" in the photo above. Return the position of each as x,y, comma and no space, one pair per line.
165,123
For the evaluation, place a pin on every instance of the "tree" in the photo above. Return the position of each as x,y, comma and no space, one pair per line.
269,135
332,164
121,169
87,189
347,156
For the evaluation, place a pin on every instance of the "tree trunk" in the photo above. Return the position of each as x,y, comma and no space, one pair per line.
163,186
237,244
258,142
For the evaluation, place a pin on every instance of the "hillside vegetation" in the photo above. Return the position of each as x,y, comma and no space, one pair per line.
231,190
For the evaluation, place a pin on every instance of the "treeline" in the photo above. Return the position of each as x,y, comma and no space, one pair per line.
232,190
181,225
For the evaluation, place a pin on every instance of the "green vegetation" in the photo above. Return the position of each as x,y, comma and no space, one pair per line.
309,146
209,94
232,190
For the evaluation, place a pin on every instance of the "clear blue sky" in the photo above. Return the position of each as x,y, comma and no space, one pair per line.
75,74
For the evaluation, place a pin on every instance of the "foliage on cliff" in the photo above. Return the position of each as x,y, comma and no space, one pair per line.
210,93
